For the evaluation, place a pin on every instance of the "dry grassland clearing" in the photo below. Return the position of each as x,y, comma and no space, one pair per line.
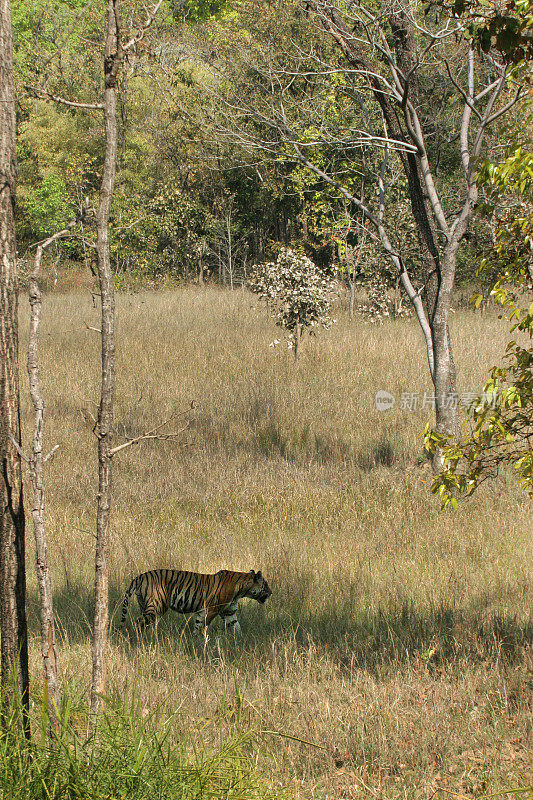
397,642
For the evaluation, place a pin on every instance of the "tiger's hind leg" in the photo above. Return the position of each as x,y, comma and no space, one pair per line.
150,614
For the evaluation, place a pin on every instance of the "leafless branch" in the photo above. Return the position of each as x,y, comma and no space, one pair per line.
154,433
51,453
89,418
150,16
520,94
332,182
41,246
43,94
19,450
470,102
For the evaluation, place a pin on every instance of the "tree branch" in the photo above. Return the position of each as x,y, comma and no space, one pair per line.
150,16
467,113
19,450
151,434
43,94
51,453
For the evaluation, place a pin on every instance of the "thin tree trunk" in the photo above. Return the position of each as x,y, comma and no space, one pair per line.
104,427
434,321
201,271
397,298
297,341
13,626
37,461
351,310
230,249
445,376
439,272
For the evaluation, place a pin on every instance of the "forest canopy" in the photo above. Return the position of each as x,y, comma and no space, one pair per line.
208,184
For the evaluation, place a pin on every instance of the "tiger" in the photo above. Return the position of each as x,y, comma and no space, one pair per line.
207,596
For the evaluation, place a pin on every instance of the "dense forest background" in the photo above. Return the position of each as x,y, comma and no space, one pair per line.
207,185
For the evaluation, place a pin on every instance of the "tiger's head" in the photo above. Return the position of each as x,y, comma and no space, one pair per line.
256,587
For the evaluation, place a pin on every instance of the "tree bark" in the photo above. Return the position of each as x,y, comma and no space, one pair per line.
13,626
104,427
37,460
438,272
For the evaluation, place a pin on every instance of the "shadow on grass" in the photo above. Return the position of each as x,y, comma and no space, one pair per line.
267,436
74,610
364,638
303,446
380,454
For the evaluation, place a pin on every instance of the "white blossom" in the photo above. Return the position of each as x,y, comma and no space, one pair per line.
296,291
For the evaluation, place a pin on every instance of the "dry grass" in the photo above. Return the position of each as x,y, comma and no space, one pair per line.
397,638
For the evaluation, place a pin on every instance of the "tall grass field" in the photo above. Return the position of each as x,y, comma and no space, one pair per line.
393,659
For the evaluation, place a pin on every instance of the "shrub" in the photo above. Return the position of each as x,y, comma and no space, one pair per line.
299,295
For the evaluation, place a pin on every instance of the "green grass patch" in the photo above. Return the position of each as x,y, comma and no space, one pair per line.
132,755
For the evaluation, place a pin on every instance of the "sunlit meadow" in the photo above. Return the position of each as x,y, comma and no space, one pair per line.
393,658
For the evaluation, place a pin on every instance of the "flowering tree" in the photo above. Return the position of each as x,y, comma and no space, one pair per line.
298,294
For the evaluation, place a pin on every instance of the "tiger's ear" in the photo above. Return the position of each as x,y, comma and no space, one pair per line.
258,574
252,573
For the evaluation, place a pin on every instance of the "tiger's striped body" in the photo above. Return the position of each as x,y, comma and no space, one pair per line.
207,596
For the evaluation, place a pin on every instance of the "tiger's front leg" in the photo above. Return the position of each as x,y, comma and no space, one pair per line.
229,616
202,620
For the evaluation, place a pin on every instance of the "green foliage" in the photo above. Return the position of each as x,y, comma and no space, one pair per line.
156,237
47,208
59,167
512,179
196,10
57,43
170,141
506,26
166,215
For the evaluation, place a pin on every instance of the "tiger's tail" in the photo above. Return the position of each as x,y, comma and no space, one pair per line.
127,597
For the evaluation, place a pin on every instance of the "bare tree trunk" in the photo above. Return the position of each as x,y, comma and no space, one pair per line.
221,271
439,272
113,59
445,376
37,461
397,298
434,320
104,427
351,310
13,626
201,272
297,341
229,240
